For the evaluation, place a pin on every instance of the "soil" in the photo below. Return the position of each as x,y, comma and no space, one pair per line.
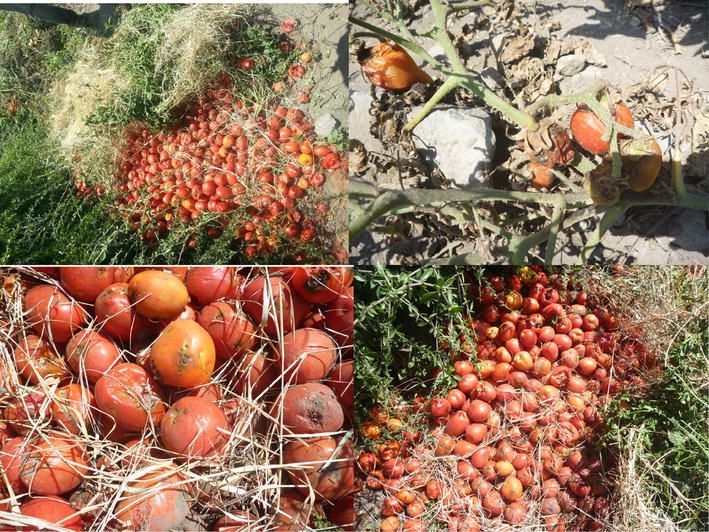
634,38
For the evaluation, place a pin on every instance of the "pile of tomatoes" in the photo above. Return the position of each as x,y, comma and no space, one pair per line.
514,443
120,386
256,171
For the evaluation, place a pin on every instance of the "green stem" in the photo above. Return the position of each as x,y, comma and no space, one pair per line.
470,5
606,222
557,218
450,84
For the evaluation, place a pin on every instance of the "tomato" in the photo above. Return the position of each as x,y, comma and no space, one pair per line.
11,456
310,409
54,510
307,355
457,424
515,513
92,354
476,432
71,408
327,484
588,129
256,374
51,313
456,398
468,383
85,283
194,427
53,466
229,327
440,407
36,360
238,522
130,397
479,411
341,381
339,318
321,284
157,295
117,316
157,501
284,312
183,356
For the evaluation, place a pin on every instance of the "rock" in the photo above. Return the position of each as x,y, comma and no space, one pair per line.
459,141
582,81
359,120
569,65
325,125
436,51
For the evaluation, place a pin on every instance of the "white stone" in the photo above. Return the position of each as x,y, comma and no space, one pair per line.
569,65
325,124
459,141
582,81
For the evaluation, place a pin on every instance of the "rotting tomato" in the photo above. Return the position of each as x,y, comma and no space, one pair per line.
92,354
310,408
183,356
54,510
284,312
37,360
194,427
328,483
157,295
231,330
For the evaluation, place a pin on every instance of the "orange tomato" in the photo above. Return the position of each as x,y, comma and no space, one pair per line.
183,355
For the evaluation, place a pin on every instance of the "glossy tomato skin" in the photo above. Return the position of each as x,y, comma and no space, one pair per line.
588,129
117,317
310,409
284,311
71,408
54,510
130,396
157,295
230,328
194,427
210,283
321,284
52,314
183,356
93,353
339,319
36,360
328,484
341,381
85,283
53,466
308,355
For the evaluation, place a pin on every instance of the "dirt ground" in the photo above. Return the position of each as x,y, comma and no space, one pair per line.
633,42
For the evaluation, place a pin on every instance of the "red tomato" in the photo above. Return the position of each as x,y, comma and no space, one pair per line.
71,408
230,328
53,510
85,283
130,397
118,317
92,354
308,355
51,313
194,427
36,360
327,484
339,319
321,284
341,380
53,466
284,312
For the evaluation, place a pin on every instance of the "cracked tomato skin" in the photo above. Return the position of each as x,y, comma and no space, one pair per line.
329,483
130,396
53,466
311,409
230,328
54,510
194,427
321,284
52,314
183,356
86,283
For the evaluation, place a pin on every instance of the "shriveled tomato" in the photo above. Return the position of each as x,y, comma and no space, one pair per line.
230,328
157,295
331,483
210,283
117,316
71,408
54,510
321,284
53,466
36,360
130,396
194,427
310,409
308,355
85,283
183,355
91,353
51,313
283,311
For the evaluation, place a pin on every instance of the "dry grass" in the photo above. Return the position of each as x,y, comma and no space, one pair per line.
249,476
